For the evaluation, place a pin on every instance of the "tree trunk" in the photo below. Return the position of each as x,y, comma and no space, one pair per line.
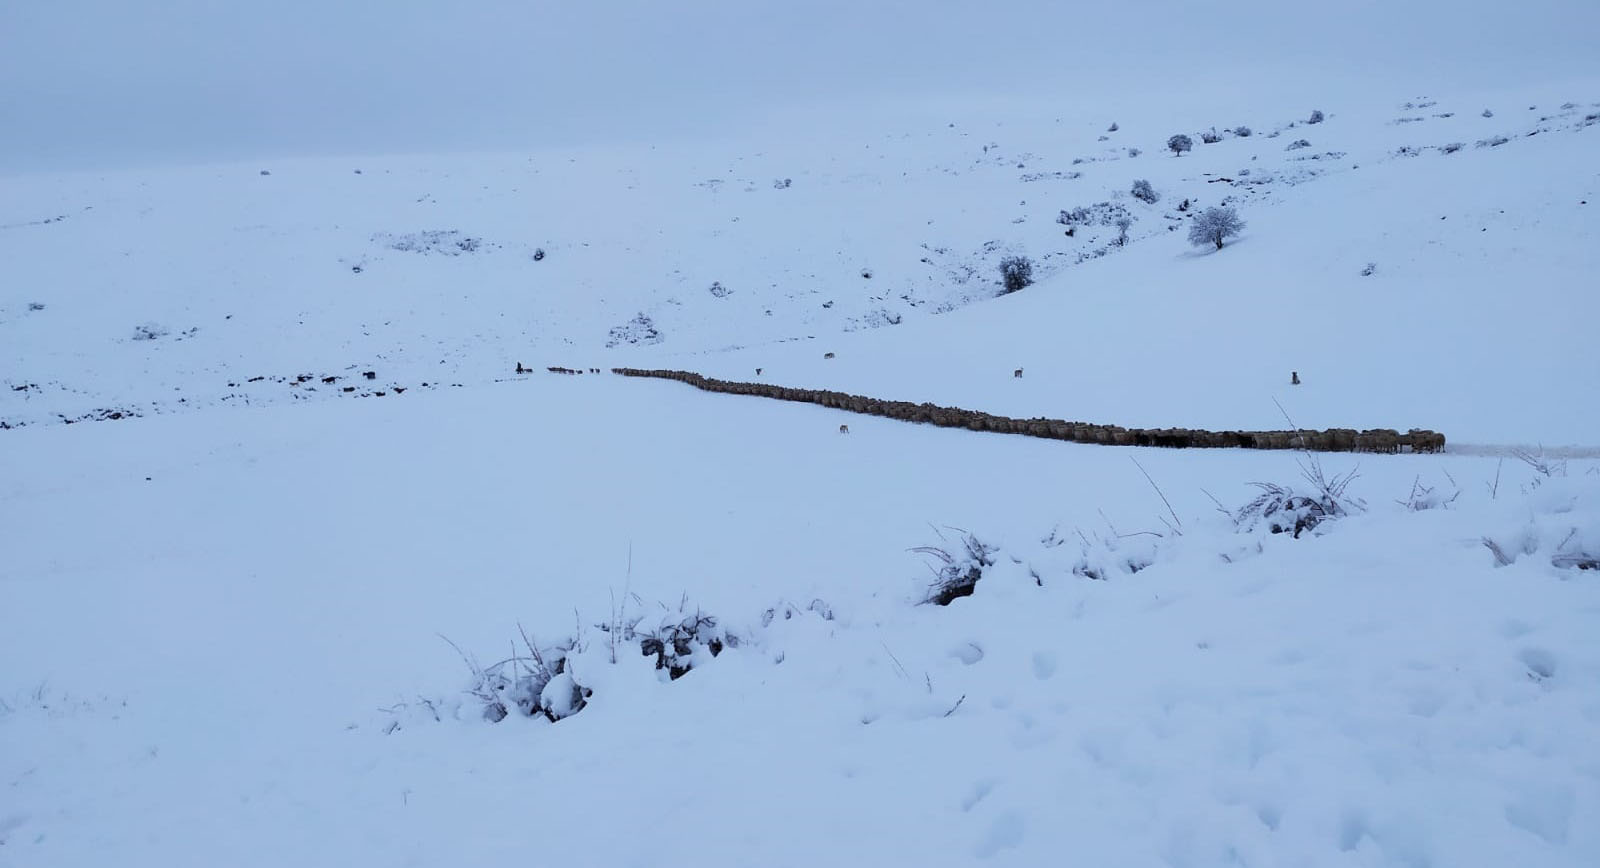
1218,240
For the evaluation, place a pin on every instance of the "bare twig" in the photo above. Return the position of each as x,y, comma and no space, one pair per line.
1164,500
472,665
1220,508
956,706
903,673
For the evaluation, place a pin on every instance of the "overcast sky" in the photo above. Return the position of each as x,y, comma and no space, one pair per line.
106,82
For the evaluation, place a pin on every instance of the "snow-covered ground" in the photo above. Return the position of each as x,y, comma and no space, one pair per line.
254,600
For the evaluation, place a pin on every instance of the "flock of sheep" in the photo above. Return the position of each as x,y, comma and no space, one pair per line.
1330,440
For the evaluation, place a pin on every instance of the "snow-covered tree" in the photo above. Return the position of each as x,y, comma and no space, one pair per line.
1145,193
1213,225
1180,143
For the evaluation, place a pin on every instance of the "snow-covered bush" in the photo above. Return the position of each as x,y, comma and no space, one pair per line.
1102,558
1134,152
149,331
639,331
1211,136
449,242
1295,509
678,640
539,683
1562,519
1214,225
1123,223
720,291
1316,117
1098,214
956,574
1144,192
1180,143
1297,144
1242,132
1016,272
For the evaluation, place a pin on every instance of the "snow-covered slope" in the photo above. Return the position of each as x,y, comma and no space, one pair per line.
430,270
220,641
261,614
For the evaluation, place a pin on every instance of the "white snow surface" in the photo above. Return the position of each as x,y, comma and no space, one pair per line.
239,620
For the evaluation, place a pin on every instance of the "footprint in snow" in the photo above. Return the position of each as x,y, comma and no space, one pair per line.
1005,833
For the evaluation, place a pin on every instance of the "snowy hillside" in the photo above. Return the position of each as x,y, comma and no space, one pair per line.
300,568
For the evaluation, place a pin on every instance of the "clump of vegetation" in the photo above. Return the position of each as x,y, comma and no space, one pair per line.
1180,143
1016,272
1291,510
956,574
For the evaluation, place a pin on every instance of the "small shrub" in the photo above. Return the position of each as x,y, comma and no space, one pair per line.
957,575
1180,143
679,641
1242,132
1134,152
1122,230
1316,117
1487,113
1280,509
1370,269
1298,144
1492,142
149,331
538,684
1452,147
1214,225
782,183
35,305
1211,136
1016,272
1112,128
538,254
720,291
1145,193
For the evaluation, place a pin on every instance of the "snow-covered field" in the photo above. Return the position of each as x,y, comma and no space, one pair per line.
259,607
